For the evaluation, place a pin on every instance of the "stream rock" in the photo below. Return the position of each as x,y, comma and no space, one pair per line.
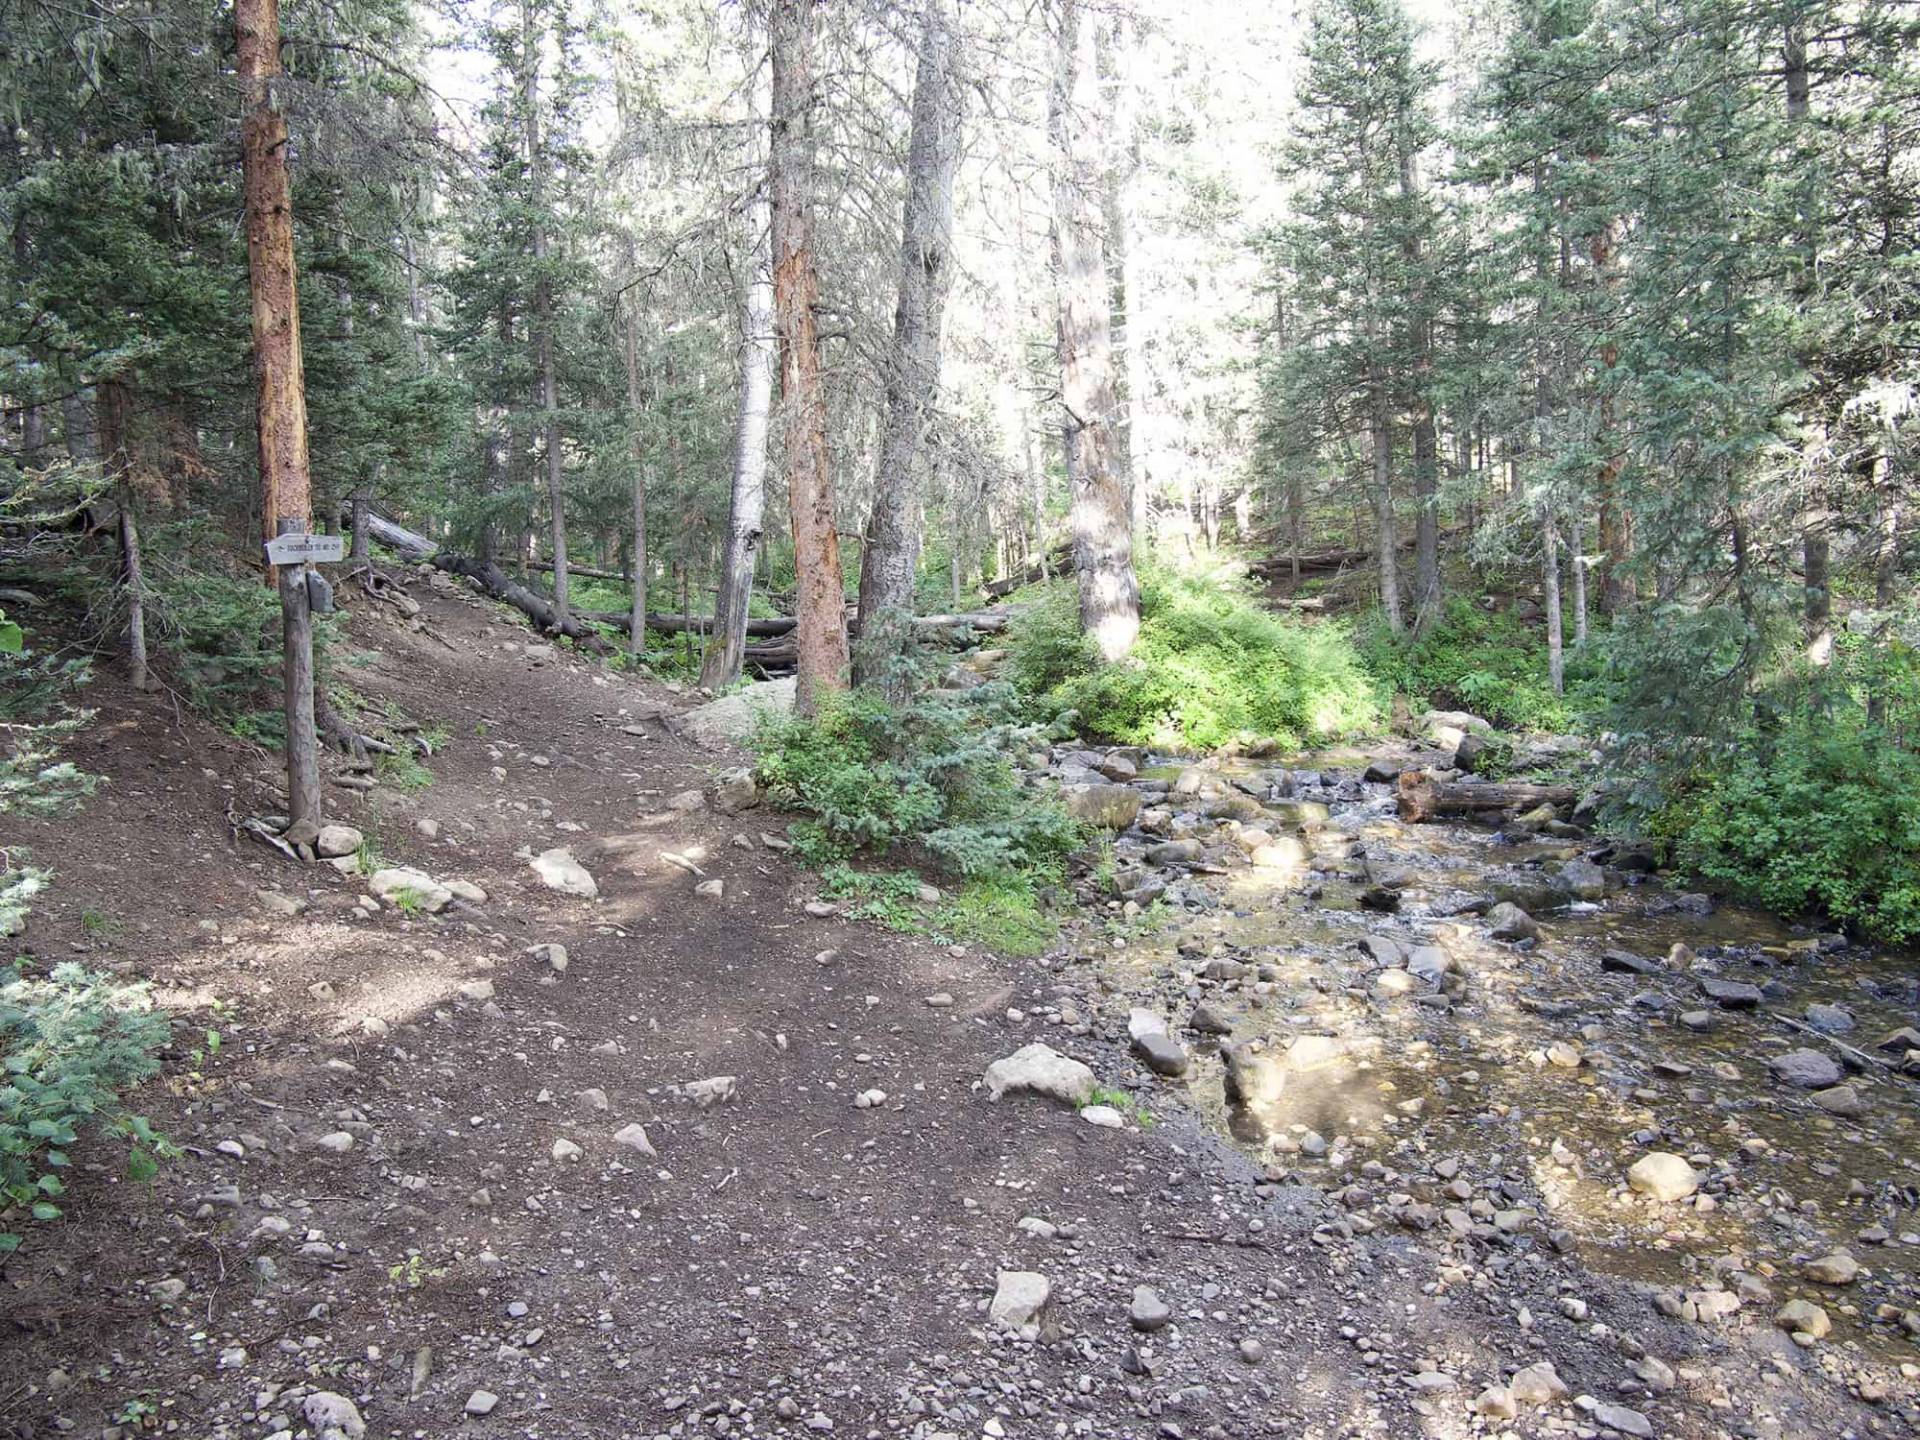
1152,1042
1664,1176
1806,1069
1731,994
1507,921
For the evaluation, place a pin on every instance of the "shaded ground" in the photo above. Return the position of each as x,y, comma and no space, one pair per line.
786,1261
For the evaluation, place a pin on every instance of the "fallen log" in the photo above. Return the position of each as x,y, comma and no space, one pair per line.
986,622
418,549
1058,561
1423,798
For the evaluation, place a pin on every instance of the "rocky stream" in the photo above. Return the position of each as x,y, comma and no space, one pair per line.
1513,1036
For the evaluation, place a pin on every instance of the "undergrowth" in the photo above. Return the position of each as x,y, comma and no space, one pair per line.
1816,812
1211,667
74,1043
1491,663
927,783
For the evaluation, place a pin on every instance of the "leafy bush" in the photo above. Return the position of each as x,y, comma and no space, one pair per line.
1820,814
1210,667
931,774
1490,663
72,1043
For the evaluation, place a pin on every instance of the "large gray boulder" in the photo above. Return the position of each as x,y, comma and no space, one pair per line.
1041,1070
731,719
1109,807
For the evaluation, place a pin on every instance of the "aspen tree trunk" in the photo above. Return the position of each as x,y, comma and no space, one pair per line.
285,484
1576,542
543,305
1426,450
1550,596
1102,533
746,509
891,554
637,550
1386,540
1118,57
820,632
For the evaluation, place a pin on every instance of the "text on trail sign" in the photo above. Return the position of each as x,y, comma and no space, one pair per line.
292,549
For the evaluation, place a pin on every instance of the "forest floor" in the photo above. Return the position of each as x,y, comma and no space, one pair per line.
402,1204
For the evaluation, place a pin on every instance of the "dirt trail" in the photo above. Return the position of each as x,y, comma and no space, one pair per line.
483,1257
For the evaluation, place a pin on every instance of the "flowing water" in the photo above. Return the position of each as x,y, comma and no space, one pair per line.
1515,1093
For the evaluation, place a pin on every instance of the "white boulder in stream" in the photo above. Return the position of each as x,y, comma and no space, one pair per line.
558,870
1041,1070
1664,1176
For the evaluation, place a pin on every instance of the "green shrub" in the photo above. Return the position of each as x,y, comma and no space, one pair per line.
1490,663
73,1043
932,775
1211,666
219,641
1819,814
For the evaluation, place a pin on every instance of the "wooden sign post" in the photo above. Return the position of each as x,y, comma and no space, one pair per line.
296,620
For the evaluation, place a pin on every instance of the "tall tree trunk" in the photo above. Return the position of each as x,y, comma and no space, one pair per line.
1815,545
359,521
1577,568
543,305
891,554
1118,58
1886,567
116,462
637,544
1426,448
1550,596
1386,538
1616,521
746,509
285,484
820,634
1102,531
